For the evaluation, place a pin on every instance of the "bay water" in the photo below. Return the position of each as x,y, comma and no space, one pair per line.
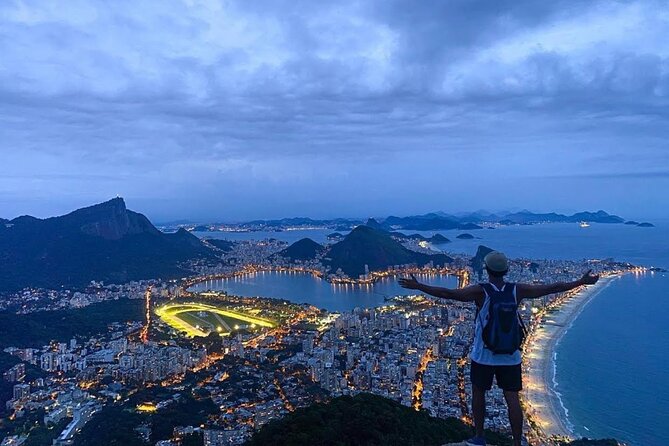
612,365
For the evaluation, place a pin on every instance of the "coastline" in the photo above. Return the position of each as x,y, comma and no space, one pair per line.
462,275
543,406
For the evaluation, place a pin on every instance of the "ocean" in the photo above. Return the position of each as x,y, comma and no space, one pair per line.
611,366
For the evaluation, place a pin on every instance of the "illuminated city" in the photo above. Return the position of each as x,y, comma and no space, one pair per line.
412,350
334,223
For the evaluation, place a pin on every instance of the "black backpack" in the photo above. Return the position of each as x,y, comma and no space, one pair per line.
504,330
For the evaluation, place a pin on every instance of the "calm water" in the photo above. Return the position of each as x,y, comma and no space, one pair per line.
301,287
612,364
645,246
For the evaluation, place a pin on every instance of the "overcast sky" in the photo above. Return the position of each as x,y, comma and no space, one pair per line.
229,110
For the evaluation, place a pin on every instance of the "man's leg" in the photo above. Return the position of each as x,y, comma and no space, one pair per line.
478,409
515,415
481,377
509,378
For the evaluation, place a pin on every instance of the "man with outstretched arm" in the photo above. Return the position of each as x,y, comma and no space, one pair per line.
497,297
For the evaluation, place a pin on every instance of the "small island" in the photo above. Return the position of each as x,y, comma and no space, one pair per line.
465,236
439,239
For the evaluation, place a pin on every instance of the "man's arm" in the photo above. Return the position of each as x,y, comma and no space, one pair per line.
527,291
468,294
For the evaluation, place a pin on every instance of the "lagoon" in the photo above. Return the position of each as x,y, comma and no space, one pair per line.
307,288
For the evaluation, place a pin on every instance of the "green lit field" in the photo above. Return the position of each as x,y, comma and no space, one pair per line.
196,319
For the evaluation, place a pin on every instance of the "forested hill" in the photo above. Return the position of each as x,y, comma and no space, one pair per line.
371,420
101,242
304,249
376,249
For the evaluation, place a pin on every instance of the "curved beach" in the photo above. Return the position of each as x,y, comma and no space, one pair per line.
543,407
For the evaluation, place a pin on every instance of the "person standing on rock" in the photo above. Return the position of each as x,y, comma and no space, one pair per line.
498,336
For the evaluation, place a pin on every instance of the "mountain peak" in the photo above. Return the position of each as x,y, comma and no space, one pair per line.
110,220
105,241
303,249
372,223
375,250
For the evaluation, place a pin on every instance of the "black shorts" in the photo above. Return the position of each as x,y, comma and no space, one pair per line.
508,377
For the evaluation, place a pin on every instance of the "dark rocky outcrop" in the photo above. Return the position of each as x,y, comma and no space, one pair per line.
304,249
372,223
477,260
439,239
102,242
376,249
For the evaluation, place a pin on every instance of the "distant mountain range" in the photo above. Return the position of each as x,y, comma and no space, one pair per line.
101,242
427,222
438,220
433,221
111,243
437,239
375,248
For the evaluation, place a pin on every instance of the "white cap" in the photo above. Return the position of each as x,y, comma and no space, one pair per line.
496,261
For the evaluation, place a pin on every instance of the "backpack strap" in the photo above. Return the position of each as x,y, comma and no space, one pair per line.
488,288
523,328
511,287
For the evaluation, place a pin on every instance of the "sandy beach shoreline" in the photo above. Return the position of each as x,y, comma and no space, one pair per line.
543,407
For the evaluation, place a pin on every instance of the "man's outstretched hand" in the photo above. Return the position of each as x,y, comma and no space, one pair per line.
410,284
589,278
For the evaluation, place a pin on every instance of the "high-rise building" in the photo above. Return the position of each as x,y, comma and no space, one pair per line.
16,373
21,391
308,345
48,362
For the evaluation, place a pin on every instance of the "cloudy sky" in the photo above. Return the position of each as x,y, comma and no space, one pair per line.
230,110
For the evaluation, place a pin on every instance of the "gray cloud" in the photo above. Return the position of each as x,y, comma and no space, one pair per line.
286,101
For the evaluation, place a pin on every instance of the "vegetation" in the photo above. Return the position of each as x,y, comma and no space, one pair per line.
376,249
439,239
44,435
102,242
223,245
115,425
304,249
370,420
37,329
32,371
365,419
587,442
